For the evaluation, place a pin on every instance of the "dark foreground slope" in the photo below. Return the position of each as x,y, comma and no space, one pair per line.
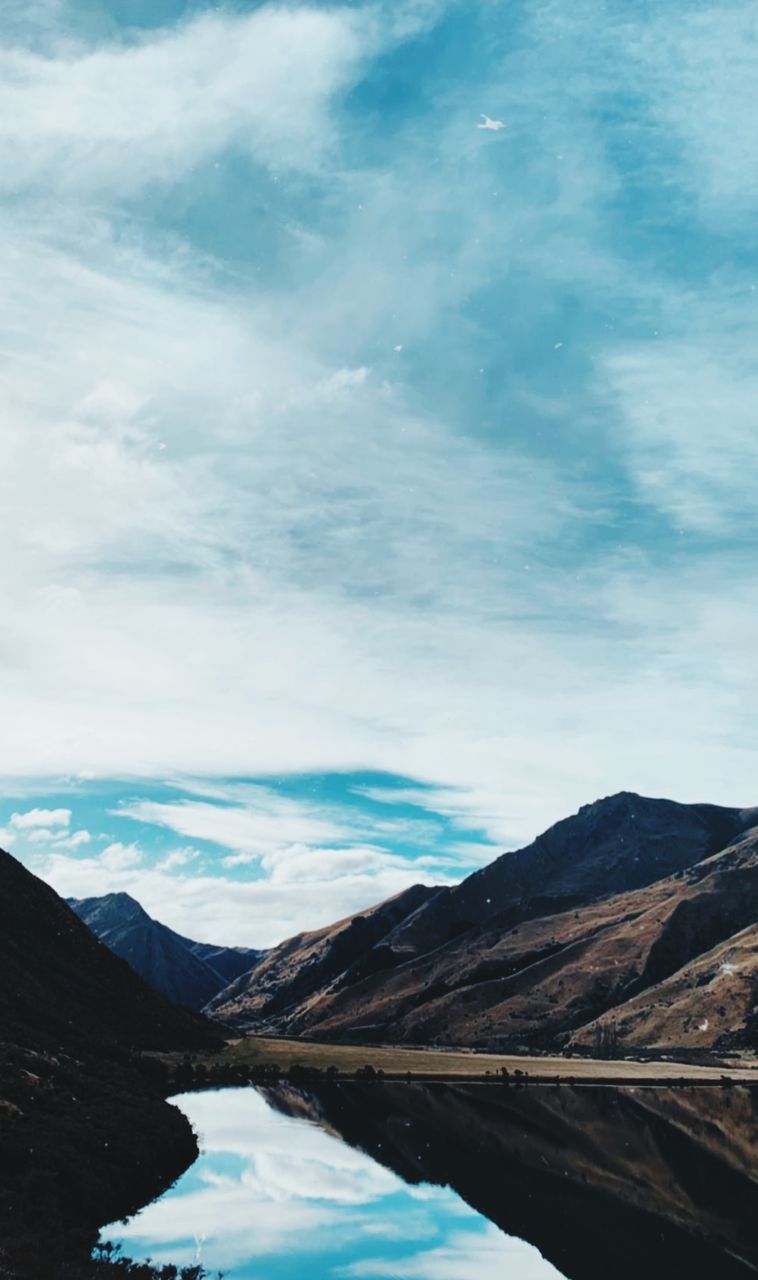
535,948
59,984
623,1183
85,1135
186,972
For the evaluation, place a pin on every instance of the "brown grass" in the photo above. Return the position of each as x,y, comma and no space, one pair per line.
460,1064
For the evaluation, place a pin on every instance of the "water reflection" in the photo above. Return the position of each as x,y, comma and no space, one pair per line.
450,1183
276,1197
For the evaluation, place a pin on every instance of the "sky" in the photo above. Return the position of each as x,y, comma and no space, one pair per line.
378,444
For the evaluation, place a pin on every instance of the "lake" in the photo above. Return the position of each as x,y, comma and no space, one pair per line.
470,1182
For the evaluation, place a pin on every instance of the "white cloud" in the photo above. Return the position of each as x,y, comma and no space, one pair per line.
74,841
301,895
177,858
41,818
269,822
300,865
129,114
255,549
119,857
295,549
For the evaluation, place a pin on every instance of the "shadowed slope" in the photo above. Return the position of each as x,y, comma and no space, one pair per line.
186,972
85,1136
623,842
61,984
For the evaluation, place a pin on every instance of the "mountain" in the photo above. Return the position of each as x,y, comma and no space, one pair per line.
189,973
622,842
548,945
85,1135
306,964
622,1182
59,983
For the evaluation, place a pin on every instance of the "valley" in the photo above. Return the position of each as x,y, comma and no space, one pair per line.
619,949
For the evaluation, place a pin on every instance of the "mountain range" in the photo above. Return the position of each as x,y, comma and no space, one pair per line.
189,973
631,924
630,927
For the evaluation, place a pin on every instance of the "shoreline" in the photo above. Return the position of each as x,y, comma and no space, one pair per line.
397,1065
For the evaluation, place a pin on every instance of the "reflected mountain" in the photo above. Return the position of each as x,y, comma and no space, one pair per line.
630,1182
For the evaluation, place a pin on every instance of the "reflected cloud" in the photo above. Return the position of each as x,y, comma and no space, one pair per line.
271,1186
468,1255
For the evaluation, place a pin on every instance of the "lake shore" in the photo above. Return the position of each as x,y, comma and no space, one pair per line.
451,1065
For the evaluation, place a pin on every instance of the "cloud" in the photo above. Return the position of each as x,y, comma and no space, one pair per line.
301,892
268,821
690,421
262,543
292,1189
465,1255
119,857
74,841
699,76
41,818
177,858
132,113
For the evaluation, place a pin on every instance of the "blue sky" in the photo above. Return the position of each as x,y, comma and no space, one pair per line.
347,439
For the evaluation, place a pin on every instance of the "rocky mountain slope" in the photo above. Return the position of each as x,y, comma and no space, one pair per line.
591,926
310,962
85,1136
186,972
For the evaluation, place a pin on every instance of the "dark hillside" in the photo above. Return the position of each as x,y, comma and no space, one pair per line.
59,984
85,1135
186,972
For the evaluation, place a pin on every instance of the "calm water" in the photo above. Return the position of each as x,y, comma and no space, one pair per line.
276,1197
464,1182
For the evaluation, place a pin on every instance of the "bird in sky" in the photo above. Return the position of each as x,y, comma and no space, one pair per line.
488,123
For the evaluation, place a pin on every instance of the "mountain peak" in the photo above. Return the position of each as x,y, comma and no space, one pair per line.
628,893
189,973
111,911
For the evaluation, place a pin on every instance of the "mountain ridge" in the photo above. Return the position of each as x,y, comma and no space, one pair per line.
543,942
186,972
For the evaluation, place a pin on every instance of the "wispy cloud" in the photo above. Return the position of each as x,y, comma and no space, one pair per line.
689,418
268,822
356,436
124,115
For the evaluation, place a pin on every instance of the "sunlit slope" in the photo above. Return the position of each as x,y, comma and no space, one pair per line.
524,976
